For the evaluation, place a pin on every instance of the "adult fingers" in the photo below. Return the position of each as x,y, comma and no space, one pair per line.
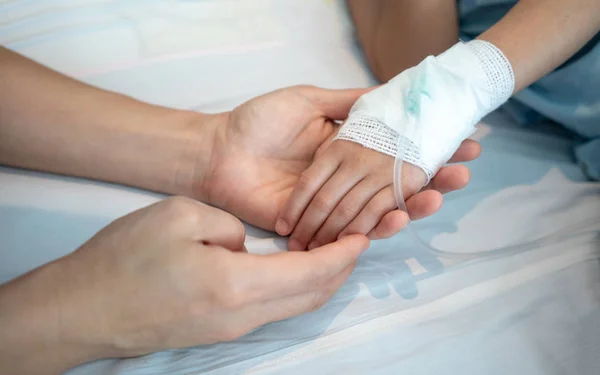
334,104
266,277
257,314
287,307
206,224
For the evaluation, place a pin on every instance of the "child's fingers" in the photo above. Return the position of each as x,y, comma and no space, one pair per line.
383,202
321,206
308,185
389,225
467,151
450,178
419,206
424,204
348,208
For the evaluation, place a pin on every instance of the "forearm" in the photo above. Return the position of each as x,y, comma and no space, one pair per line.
537,36
52,123
397,34
43,326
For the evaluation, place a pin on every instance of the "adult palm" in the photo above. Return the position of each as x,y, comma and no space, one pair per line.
261,148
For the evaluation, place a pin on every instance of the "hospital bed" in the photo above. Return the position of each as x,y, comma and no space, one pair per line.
403,310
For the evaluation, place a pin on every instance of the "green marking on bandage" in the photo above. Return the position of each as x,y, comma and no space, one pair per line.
420,88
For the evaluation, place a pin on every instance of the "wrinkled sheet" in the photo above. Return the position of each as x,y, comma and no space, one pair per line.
402,310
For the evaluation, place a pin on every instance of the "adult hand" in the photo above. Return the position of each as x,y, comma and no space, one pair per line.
262,148
171,275
246,161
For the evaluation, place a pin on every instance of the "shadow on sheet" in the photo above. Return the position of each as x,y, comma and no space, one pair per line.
393,297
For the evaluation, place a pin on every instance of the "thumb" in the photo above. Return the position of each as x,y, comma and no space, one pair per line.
338,255
335,104
220,228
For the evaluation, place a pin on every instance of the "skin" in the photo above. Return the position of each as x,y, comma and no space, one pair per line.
349,188
179,259
172,275
263,146
394,36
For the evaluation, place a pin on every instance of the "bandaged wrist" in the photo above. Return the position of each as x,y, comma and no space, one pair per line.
433,106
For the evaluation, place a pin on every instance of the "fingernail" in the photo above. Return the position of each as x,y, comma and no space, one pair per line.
312,245
281,227
294,245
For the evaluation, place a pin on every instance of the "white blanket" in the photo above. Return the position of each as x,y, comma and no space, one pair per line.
402,311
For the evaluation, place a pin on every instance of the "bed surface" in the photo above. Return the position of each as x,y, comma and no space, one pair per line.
402,310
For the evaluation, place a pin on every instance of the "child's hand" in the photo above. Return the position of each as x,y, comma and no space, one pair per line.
347,190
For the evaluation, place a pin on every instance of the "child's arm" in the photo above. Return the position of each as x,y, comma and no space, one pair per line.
398,34
537,36
349,187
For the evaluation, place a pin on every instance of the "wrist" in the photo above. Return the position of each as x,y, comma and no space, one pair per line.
168,151
482,66
191,143
205,136
43,329
171,154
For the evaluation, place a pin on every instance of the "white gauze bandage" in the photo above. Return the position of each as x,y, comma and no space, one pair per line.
433,106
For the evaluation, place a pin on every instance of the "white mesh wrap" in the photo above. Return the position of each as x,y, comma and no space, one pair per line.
454,91
375,135
500,76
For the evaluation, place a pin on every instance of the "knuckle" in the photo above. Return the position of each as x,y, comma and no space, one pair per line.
323,202
359,159
374,210
346,210
305,182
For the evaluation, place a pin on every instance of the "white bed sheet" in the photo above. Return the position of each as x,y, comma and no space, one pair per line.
402,310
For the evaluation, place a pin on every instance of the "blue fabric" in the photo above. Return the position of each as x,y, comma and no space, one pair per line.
570,95
547,325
